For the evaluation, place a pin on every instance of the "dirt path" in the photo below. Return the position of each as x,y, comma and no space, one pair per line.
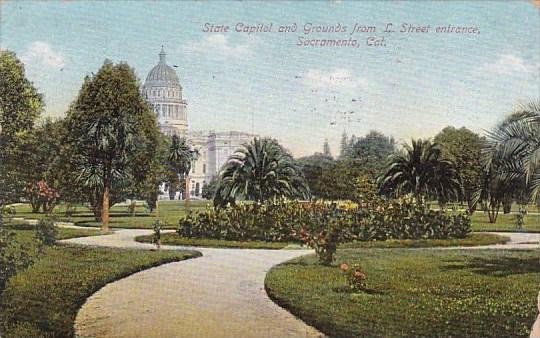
220,294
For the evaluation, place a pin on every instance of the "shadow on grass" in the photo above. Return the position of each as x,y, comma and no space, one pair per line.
496,266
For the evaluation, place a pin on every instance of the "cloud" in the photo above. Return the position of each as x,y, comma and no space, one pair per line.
509,64
219,44
339,78
41,53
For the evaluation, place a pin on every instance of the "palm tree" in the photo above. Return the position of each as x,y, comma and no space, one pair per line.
181,156
514,147
258,171
421,170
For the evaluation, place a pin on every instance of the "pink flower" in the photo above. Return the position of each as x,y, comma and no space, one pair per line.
359,274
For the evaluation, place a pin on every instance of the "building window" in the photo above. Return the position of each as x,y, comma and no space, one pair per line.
204,168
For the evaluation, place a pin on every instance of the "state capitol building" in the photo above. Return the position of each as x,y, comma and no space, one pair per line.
163,92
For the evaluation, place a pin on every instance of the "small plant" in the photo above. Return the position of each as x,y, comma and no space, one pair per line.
156,237
46,232
323,229
520,217
356,278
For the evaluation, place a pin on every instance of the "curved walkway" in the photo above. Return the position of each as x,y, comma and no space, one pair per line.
220,294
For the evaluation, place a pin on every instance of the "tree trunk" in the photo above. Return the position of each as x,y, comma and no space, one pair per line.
105,208
186,204
493,211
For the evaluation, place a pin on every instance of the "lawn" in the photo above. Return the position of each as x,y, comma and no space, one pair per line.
414,293
26,231
471,240
44,299
120,217
174,239
505,223
474,239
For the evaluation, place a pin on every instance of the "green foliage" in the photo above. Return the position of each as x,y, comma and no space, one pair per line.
326,149
156,236
422,171
20,103
323,227
409,217
520,217
463,148
276,220
20,106
209,189
46,297
113,137
13,257
512,153
371,152
259,171
46,232
362,157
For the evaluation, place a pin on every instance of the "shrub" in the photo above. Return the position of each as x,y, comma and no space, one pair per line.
276,220
323,228
156,237
409,217
46,232
321,225
356,278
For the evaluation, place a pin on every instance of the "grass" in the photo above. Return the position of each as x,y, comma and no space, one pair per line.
505,223
26,230
420,293
120,217
44,299
471,240
175,239
475,239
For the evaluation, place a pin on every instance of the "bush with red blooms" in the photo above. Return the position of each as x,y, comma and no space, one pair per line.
356,278
42,196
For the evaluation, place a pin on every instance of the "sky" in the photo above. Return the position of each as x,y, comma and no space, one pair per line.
265,83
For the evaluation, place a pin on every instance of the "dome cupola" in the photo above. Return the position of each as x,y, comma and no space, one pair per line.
162,73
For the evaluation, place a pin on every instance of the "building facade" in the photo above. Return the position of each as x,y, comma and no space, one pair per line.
163,93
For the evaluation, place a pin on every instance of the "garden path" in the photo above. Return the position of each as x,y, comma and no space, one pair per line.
220,294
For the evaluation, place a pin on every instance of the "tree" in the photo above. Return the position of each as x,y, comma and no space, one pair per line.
20,106
113,136
514,147
209,189
421,170
464,149
35,153
258,171
20,103
326,149
372,151
181,156
511,159
344,146
313,168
